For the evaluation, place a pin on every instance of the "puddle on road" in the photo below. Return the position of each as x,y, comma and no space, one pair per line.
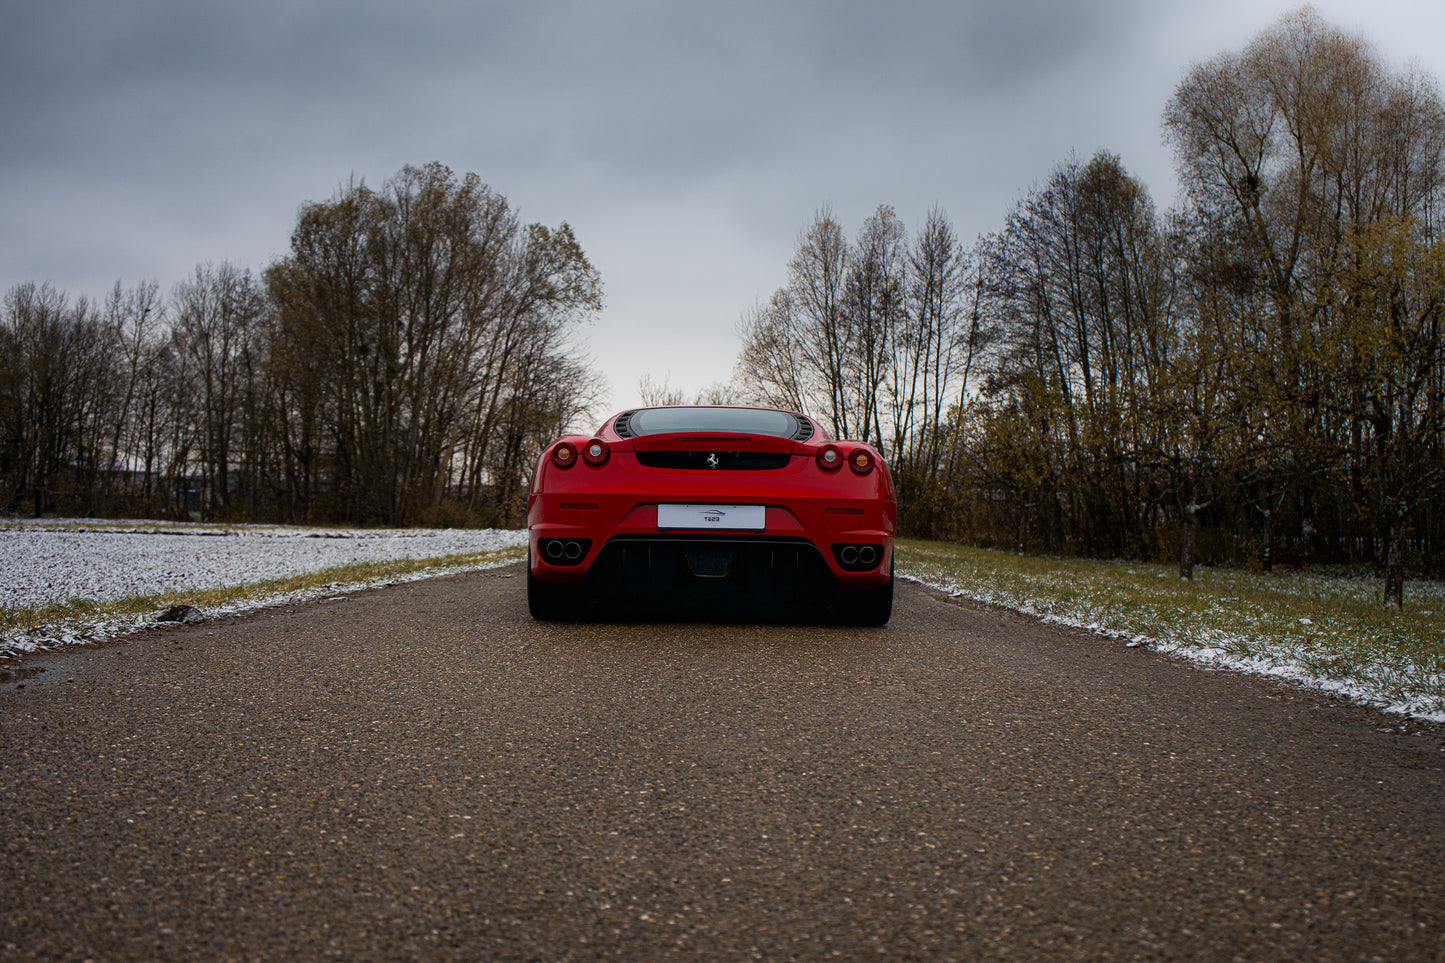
16,676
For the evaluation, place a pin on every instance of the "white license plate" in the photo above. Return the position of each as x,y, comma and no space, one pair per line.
713,515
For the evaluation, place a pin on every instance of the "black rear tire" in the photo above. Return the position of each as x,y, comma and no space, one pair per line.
553,603
871,607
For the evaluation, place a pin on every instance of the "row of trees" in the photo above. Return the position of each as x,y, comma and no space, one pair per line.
404,363
1260,369
882,338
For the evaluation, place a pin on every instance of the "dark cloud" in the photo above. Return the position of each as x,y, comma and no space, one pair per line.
687,142
651,88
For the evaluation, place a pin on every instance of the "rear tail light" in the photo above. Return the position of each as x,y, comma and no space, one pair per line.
564,455
595,452
830,457
860,461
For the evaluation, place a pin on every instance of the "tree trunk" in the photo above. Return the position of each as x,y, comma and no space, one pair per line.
1023,529
1190,522
1394,564
1266,539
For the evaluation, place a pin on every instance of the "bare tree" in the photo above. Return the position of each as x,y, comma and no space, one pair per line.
717,393
217,313
937,348
769,370
54,399
133,321
874,318
654,393
816,322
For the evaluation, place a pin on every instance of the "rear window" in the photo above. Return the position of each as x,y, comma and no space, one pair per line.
747,421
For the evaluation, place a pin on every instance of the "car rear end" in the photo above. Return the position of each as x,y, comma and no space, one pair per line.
772,515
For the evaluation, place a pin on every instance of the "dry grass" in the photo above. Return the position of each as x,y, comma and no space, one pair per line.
1324,630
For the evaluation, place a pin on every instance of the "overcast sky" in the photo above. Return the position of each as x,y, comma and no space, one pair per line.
686,143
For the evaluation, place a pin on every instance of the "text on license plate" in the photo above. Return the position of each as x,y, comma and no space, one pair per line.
712,515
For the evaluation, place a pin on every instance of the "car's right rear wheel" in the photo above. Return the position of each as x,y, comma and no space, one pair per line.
869,607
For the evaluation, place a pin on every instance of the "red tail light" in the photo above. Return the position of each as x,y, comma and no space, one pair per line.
595,452
861,461
564,455
830,458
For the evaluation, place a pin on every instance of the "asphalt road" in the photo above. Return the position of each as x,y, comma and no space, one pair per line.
423,772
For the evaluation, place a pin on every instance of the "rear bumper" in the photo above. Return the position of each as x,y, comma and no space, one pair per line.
628,554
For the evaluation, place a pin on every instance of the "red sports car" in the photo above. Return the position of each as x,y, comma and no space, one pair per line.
739,507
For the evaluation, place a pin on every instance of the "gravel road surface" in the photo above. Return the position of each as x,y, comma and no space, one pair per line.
422,772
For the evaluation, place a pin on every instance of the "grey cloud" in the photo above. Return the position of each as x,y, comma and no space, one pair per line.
686,141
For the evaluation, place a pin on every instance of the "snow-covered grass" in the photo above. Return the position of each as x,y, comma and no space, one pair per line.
1327,632
65,581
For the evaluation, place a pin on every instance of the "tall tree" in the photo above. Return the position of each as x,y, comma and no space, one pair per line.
796,350
418,309
873,319
217,312
54,360
1332,167
133,319
938,348
1079,285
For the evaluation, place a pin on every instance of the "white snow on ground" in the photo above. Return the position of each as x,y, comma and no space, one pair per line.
57,560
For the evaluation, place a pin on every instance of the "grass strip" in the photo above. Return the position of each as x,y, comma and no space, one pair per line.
1325,630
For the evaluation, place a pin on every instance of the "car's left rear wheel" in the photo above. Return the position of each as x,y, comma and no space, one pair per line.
553,603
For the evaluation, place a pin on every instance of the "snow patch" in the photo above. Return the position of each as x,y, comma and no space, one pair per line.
53,561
